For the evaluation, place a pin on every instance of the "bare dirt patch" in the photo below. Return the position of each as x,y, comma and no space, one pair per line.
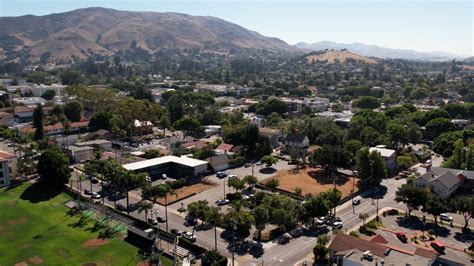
313,181
36,260
23,263
13,222
95,243
184,192
144,263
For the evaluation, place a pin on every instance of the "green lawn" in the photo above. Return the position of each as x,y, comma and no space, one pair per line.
35,227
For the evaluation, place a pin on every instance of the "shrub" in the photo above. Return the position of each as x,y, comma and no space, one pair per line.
323,239
239,160
273,183
183,242
354,233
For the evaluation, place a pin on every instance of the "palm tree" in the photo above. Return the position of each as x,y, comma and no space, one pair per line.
145,206
129,181
162,191
214,217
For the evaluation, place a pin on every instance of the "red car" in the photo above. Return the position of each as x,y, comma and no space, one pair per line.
402,237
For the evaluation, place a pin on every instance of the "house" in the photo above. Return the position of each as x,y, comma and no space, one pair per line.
445,181
274,135
211,130
219,162
199,144
56,129
350,250
8,167
6,119
170,165
296,145
440,181
224,147
63,141
97,144
79,154
389,156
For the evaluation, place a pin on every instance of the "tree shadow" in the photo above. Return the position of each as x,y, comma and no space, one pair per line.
40,191
324,178
466,236
267,170
413,223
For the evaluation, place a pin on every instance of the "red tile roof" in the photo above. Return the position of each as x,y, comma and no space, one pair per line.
344,242
225,147
6,155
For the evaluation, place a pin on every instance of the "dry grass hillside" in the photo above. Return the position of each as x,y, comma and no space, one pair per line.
342,56
101,31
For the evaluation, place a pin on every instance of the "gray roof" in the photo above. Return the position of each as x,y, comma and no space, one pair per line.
466,173
443,175
295,137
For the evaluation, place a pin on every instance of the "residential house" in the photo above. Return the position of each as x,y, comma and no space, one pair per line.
79,154
389,156
219,162
350,250
97,144
225,148
56,129
440,181
274,135
445,181
8,167
63,141
296,145
6,119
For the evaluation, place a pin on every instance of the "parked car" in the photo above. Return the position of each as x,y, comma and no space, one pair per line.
356,201
94,180
247,164
189,236
96,195
446,217
87,192
438,246
161,219
233,177
96,201
297,232
337,225
222,202
121,207
221,174
285,238
152,221
259,163
176,232
402,237
368,255
163,176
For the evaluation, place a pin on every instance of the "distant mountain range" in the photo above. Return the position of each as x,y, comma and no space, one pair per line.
102,31
378,51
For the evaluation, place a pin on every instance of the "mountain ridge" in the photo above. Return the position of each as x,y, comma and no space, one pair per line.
104,31
378,51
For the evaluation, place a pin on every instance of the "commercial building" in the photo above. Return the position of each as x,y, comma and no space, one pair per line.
389,156
79,154
172,166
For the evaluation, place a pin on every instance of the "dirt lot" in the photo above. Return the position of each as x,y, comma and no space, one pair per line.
313,181
184,192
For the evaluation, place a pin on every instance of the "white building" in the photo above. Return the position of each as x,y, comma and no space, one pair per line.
172,166
79,154
8,163
389,156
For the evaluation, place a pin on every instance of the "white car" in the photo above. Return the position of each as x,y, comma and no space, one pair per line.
189,236
446,217
95,195
337,225
233,177
222,202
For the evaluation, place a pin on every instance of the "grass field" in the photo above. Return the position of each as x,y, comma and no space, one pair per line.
35,229
312,181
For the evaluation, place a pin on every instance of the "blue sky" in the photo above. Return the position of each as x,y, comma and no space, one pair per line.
423,25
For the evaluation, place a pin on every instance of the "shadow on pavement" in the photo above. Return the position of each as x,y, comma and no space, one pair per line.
267,170
414,223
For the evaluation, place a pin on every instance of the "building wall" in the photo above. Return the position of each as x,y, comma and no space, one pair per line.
4,173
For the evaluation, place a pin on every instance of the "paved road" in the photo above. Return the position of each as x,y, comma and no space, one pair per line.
298,249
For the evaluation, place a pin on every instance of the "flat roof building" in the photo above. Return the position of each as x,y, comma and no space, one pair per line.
169,165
